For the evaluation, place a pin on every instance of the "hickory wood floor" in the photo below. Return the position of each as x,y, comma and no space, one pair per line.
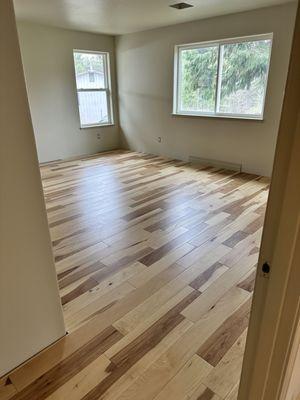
156,262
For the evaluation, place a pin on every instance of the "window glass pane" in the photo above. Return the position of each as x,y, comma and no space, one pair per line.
197,86
89,69
93,108
244,69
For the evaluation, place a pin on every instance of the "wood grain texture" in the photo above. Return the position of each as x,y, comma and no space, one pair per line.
156,262
7,389
224,337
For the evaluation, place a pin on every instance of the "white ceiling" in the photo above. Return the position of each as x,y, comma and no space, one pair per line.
126,16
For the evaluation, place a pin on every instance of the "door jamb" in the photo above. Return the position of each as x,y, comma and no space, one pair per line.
269,341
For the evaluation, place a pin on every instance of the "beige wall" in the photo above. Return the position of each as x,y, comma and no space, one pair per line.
145,81
30,311
48,62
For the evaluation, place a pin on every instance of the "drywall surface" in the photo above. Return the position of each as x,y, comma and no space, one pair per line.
30,310
47,55
145,81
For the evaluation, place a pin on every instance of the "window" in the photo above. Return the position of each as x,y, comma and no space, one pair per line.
227,78
93,88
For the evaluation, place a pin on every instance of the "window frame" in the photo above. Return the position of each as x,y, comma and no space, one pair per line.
216,43
107,88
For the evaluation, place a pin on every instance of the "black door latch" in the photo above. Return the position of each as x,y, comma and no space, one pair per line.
265,268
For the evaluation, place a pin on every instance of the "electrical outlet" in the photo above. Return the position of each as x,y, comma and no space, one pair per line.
98,136
159,139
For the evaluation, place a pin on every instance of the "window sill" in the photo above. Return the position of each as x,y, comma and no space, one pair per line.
222,116
97,126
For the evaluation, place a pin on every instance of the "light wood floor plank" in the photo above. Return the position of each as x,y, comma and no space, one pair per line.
156,263
223,378
186,380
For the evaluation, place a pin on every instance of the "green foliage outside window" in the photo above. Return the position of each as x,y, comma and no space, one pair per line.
243,73
85,62
199,73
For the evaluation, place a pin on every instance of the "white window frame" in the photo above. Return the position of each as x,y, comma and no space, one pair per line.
107,88
218,44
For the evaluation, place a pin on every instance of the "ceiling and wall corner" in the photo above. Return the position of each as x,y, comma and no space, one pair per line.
117,17
145,105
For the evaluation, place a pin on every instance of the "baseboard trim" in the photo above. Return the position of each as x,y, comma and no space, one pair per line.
216,163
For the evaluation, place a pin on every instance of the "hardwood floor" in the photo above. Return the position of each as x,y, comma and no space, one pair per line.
156,263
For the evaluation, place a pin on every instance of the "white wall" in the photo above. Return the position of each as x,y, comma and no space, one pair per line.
30,310
47,55
145,81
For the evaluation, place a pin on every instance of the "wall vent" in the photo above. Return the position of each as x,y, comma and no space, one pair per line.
181,6
216,163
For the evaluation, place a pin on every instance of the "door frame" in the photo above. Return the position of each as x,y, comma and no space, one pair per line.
276,300
291,383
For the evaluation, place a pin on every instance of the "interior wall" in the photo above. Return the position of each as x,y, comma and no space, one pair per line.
30,309
47,55
145,80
